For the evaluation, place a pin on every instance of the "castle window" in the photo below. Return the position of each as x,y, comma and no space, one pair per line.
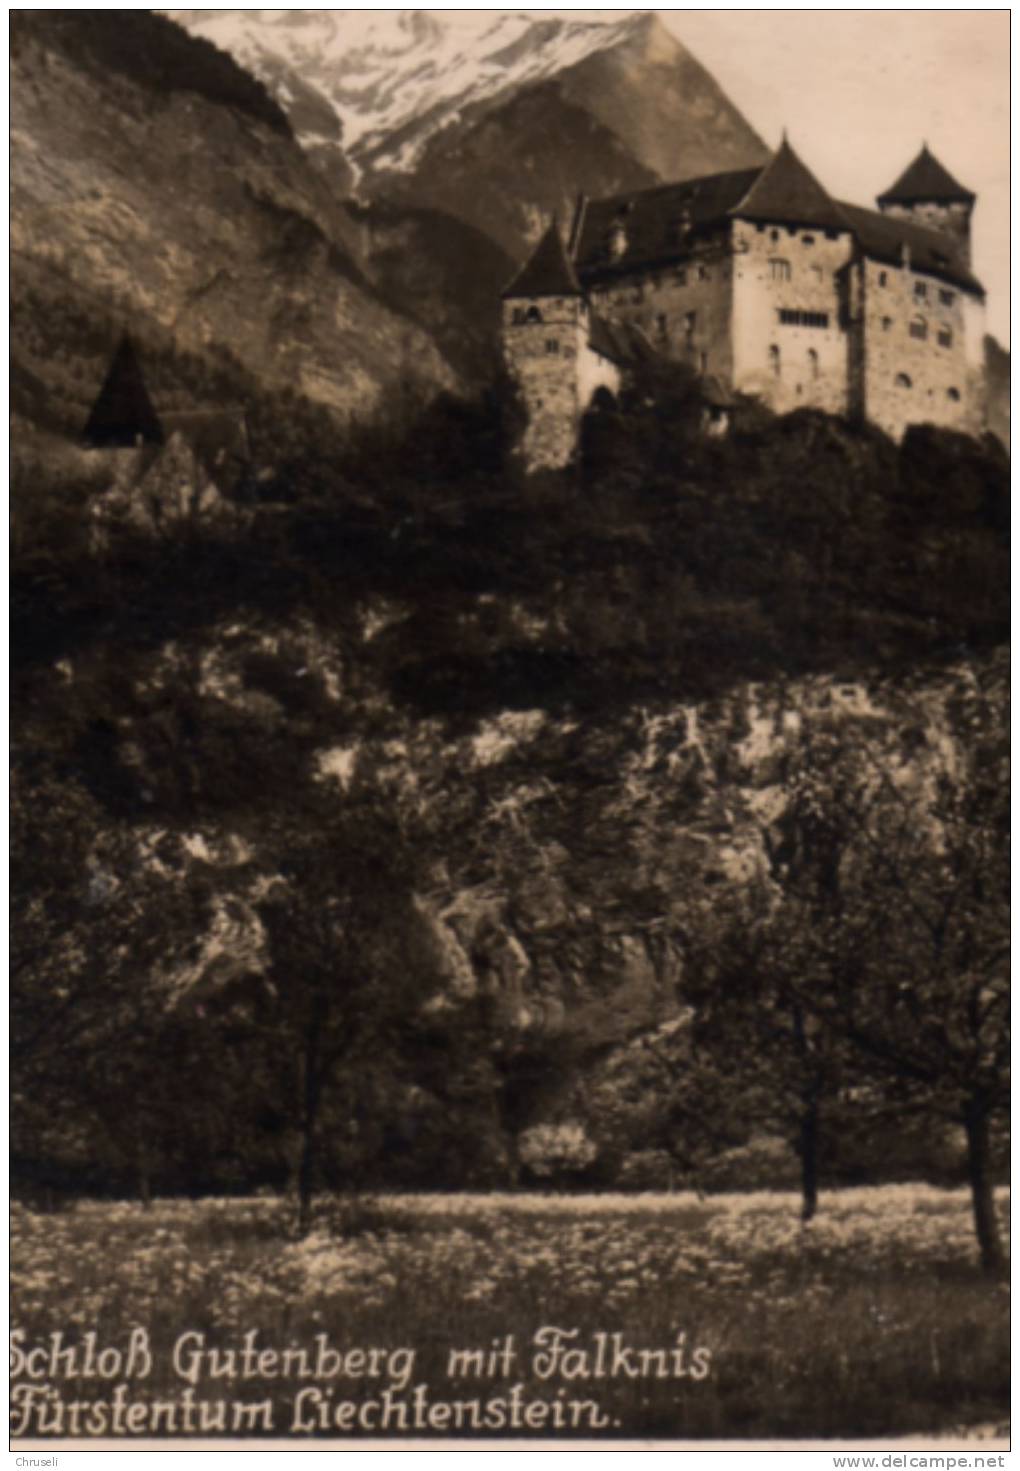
886,323
902,381
779,270
520,315
552,345
791,317
773,236
921,290
883,278
775,362
704,274
832,234
953,394
690,322
681,275
807,240
947,297
812,359
919,329
533,314
945,336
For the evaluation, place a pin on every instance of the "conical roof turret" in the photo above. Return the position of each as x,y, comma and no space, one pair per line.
787,192
548,272
925,181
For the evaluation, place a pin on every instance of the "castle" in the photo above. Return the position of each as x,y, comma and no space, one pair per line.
765,286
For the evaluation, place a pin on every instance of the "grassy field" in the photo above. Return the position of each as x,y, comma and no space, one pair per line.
680,1318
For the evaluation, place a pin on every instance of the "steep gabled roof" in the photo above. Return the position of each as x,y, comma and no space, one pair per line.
123,415
653,218
548,272
659,226
787,192
882,237
926,181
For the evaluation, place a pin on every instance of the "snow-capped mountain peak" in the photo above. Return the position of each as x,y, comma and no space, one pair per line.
393,78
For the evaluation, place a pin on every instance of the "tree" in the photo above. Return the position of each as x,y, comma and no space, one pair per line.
887,924
351,965
122,1019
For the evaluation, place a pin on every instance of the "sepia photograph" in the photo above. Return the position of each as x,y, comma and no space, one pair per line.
509,800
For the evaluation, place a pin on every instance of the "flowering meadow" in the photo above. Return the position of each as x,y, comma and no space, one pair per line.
667,1316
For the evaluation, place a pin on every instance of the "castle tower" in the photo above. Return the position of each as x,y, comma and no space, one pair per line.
927,194
545,329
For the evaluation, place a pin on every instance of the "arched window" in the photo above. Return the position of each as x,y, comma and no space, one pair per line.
953,394
775,362
779,270
902,381
520,315
812,360
533,314
919,328
945,335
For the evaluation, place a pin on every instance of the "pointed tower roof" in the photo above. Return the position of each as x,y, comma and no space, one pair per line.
926,181
122,414
787,192
548,272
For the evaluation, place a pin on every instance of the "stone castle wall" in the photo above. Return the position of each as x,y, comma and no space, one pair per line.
790,346
684,309
917,341
952,219
542,354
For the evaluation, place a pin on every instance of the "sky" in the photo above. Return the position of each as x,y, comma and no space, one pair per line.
859,91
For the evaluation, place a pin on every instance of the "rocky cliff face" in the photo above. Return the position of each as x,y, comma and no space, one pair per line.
169,206
565,847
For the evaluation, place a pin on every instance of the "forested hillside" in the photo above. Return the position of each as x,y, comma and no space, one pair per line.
457,794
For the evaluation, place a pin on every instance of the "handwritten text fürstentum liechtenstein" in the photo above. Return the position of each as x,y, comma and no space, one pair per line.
559,1379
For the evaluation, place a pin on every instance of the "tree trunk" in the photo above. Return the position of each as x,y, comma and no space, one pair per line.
975,1122
807,1148
309,1121
306,1178
143,1176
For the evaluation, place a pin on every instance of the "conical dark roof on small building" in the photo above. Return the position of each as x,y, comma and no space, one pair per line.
787,192
122,414
926,181
548,272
